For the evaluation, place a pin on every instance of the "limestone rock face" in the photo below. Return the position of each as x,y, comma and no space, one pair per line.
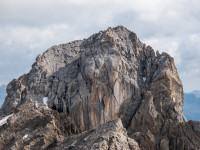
93,81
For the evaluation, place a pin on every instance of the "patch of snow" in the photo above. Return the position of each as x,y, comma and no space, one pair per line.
45,99
25,136
4,120
144,79
36,104
184,118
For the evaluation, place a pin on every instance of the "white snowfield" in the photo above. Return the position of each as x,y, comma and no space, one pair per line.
42,104
4,120
25,136
45,99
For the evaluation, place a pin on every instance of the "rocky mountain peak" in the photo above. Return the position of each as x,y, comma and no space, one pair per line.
111,75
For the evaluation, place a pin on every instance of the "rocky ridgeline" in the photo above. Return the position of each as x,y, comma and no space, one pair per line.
78,95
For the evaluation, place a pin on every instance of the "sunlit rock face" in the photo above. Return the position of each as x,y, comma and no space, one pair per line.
110,75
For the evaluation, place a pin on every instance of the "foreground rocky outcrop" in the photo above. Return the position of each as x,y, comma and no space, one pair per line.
93,81
110,135
33,128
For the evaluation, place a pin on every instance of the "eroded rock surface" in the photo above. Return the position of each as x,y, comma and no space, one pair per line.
111,135
93,81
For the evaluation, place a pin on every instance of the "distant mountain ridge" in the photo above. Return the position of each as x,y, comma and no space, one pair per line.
191,105
196,93
2,94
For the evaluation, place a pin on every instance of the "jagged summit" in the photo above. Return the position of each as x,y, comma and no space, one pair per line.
90,82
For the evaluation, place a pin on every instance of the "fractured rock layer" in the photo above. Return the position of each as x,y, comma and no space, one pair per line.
110,135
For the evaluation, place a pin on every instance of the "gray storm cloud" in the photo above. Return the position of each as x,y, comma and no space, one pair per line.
28,28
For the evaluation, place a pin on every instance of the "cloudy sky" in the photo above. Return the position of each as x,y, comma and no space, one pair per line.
28,28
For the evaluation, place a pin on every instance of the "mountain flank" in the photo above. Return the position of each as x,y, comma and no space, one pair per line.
110,91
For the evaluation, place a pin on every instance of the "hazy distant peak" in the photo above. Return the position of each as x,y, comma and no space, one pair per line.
2,86
196,93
